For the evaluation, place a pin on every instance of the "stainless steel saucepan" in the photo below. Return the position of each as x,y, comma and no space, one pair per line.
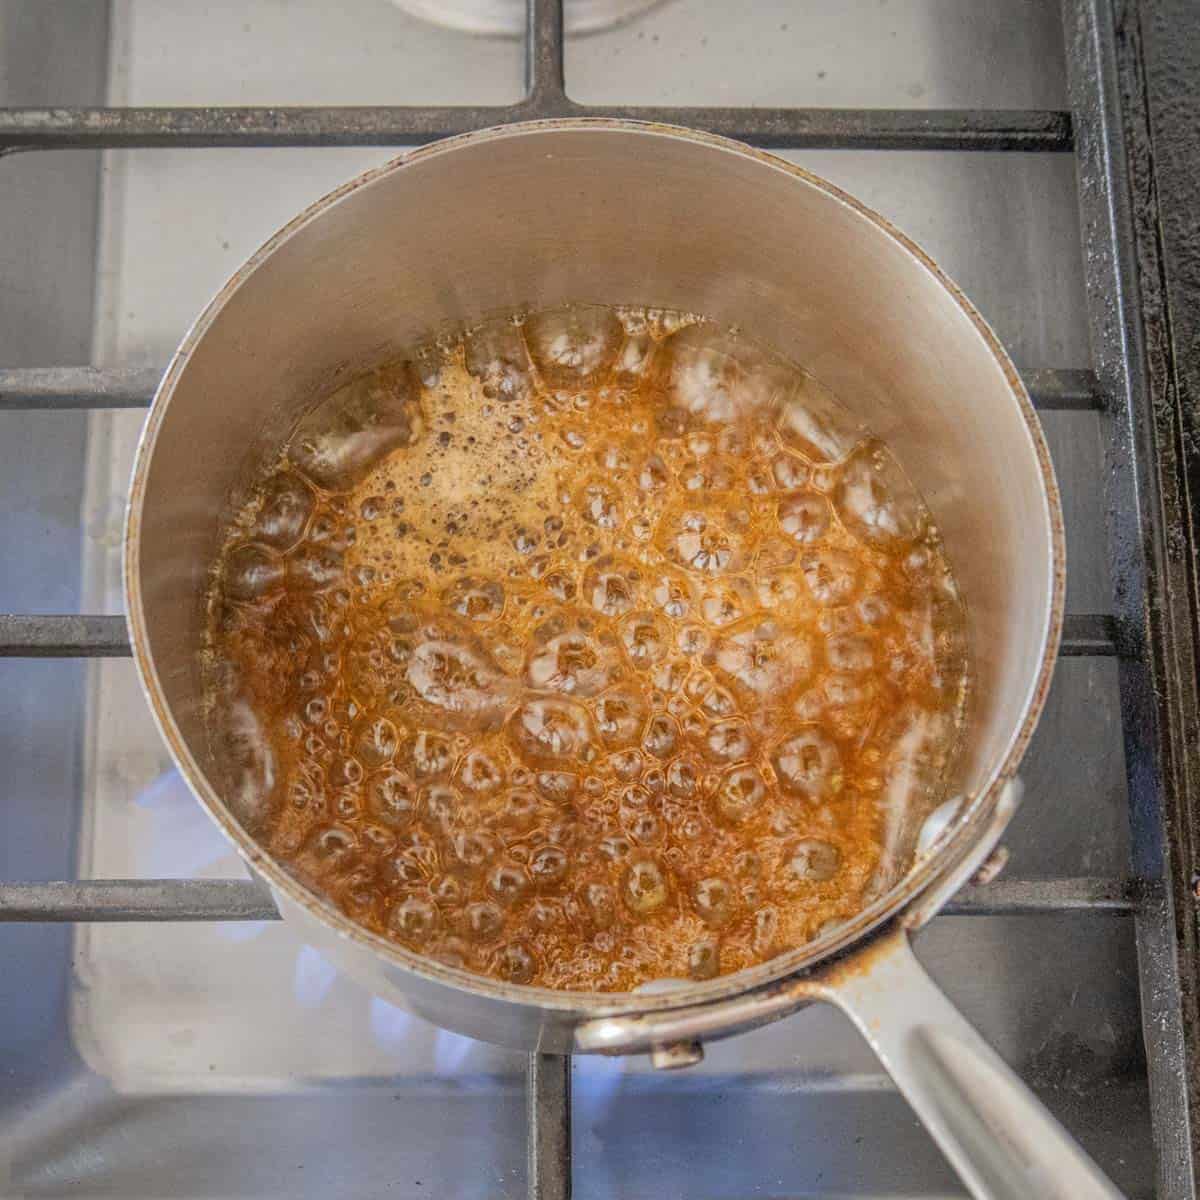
618,213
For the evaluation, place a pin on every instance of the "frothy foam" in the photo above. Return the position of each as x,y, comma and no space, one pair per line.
596,647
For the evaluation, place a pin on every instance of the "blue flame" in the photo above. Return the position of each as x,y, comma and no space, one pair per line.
184,840
313,979
451,1050
390,1025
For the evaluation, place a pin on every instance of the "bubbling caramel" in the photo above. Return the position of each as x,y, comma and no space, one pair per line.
596,647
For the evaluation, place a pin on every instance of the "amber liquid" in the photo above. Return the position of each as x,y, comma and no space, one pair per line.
598,647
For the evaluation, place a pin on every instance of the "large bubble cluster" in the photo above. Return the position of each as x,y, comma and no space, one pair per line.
592,650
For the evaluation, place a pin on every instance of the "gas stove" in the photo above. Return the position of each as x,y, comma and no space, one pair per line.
164,1034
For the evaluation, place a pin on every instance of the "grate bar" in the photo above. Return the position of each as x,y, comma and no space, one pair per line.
1030,897
77,387
548,1112
53,636
122,900
545,76
781,128
102,387
138,900
1058,390
41,635
1128,131
1087,635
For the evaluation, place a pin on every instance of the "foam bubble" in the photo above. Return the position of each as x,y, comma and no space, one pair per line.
550,730
473,850
646,639
713,900
610,586
701,542
430,754
475,598
766,931
712,377
483,921
548,866
645,888
831,575
314,568
357,426
253,573
811,860
559,787
599,504
850,655
287,506
704,959
619,716
875,501
661,736
811,420
635,361
375,742
508,884
729,741
574,346
808,764
569,654
804,517
392,798
516,963
495,354
414,919
480,773
455,675
250,767
762,660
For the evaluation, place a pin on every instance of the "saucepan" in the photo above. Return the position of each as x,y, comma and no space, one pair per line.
616,212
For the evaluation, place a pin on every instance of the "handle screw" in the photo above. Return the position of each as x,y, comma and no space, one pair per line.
675,1055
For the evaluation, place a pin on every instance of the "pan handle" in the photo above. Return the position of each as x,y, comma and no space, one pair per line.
1002,1141
996,1134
